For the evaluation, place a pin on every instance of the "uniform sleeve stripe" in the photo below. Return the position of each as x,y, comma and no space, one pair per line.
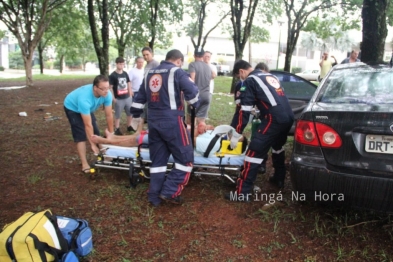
247,108
158,169
171,88
194,100
253,160
265,89
138,105
183,168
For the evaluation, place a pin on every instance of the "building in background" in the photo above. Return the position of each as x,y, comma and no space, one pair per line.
4,61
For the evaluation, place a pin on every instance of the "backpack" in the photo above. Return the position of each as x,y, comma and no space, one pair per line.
32,237
77,234
69,257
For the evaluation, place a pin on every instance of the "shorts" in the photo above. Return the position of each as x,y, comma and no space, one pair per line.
123,104
78,127
205,100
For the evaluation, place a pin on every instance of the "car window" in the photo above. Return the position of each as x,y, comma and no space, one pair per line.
294,86
359,85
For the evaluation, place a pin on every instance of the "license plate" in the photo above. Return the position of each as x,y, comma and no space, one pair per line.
379,144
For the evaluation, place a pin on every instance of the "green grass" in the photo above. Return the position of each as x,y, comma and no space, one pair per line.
222,84
39,77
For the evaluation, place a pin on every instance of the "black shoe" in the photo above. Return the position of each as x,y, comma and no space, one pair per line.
130,129
277,183
234,196
174,200
154,205
118,132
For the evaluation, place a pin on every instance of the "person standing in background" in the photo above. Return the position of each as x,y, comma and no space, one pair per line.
136,77
122,94
206,58
201,74
326,64
353,57
147,54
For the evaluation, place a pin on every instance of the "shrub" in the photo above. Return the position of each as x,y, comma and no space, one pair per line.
296,70
2,68
48,64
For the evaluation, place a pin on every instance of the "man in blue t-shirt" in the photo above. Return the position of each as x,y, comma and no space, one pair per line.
79,106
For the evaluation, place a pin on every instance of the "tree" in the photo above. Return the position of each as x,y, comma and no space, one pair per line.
159,13
299,12
198,11
72,19
328,33
241,26
258,35
27,20
127,22
103,38
2,34
374,30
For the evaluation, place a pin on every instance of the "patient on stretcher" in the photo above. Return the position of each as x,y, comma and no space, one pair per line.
203,137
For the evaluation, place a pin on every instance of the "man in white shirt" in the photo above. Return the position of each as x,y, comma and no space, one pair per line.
206,58
136,77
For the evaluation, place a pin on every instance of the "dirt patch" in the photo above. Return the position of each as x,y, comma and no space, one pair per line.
40,170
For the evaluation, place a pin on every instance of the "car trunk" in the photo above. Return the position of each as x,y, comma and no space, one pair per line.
366,133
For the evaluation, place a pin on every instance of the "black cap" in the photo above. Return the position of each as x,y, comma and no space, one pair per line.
199,51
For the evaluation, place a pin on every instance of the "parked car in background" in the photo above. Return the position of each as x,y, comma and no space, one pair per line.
222,69
343,141
298,91
310,75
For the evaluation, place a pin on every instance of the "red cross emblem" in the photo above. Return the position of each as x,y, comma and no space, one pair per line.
155,83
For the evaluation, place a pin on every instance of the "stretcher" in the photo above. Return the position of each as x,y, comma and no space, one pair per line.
136,160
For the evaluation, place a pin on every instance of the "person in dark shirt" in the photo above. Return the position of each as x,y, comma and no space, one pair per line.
263,90
122,94
164,90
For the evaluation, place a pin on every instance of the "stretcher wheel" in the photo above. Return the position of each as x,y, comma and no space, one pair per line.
135,179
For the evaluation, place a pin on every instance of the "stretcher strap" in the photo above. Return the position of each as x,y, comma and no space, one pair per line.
211,145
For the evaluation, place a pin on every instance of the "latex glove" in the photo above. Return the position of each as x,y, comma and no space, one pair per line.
234,139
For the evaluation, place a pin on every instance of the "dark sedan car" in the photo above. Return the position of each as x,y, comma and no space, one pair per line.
343,142
298,91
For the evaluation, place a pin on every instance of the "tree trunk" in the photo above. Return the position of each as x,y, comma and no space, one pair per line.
61,63
28,69
40,55
121,47
374,30
293,36
102,52
288,58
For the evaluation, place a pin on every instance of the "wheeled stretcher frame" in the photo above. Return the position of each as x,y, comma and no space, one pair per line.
136,160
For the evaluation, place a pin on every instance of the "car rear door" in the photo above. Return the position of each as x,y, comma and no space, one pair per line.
298,91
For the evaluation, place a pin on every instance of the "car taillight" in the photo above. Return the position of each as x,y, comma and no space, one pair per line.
316,134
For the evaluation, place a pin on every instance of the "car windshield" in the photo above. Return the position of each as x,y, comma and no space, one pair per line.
362,85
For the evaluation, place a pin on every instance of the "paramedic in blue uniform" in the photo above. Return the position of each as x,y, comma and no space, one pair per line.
263,90
164,89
